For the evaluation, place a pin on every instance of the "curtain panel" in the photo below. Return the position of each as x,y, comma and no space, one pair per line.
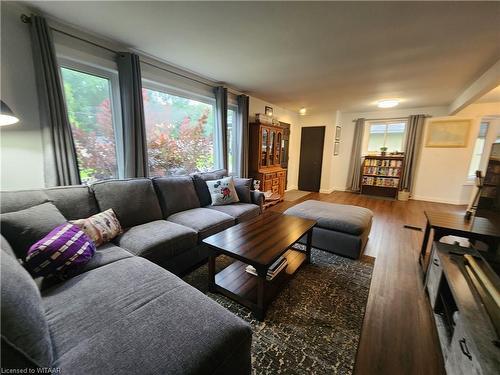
135,153
354,175
221,125
413,145
244,135
60,160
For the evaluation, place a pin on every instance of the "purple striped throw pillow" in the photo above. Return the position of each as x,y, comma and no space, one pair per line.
61,252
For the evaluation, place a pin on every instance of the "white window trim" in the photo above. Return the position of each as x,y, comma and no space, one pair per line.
235,141
116,113
488,136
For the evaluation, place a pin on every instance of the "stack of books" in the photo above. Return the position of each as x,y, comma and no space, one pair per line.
273,271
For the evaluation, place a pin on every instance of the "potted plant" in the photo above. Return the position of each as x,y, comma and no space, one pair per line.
383,150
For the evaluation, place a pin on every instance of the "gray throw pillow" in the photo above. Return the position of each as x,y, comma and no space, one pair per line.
25,227
222,191
243,187
26,339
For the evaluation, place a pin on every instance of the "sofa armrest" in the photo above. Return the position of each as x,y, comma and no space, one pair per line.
257,198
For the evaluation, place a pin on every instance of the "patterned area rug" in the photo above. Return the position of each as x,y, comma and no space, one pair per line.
313,326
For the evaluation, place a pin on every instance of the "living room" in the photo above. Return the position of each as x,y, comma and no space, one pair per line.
250,187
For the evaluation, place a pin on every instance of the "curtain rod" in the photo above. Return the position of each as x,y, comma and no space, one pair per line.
27,19
387,118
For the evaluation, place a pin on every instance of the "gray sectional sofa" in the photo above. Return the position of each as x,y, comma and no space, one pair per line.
124,313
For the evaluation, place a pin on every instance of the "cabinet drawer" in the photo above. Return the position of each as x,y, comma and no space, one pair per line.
275,189
276,181
268,176
281,174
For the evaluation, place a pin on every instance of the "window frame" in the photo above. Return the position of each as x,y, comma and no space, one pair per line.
236,133
186,94
472,177
386,122
116,113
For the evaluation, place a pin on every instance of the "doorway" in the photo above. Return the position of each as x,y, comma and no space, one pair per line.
311,157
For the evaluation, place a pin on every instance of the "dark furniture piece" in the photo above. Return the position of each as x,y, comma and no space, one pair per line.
381,175
466,328
490,194
440,224
311,157
340,228
285,146
258,242
266,157
123,313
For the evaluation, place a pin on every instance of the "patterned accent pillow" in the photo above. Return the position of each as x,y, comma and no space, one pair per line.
222,191
101,228
60,253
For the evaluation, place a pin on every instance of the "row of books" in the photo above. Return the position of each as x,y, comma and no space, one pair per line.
273,271
383,163
385,182
383,171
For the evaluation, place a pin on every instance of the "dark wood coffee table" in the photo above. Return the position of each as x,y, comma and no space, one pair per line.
258,242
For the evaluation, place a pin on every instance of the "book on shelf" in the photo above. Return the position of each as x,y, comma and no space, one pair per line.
275,268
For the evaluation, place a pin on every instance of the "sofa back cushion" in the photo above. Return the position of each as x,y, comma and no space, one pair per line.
133,200
74,202
201,187
25,333
25,227
176,194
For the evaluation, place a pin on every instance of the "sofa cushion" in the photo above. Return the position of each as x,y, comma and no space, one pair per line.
134,317
201,186
203,220
240,211
106,254
338,217
74,202
25,227
243,189
134,200
26,339
101,227
158,239
222,191
176,194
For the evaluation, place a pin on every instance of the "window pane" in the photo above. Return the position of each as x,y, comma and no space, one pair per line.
395,137
231,127
376,137
390,135
88,99
477,152
180,134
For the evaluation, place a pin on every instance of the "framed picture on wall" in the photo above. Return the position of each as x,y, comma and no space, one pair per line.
448,133
336,148
338,131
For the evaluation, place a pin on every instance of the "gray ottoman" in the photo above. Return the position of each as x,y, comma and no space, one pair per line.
340,228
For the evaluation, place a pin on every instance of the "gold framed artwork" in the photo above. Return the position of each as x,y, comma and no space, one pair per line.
448,133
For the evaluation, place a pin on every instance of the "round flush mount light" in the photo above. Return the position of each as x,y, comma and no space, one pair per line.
302,111
387,103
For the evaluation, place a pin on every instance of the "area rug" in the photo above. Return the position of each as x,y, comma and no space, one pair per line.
293,195
313,326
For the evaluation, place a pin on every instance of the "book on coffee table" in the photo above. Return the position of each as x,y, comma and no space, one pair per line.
278,266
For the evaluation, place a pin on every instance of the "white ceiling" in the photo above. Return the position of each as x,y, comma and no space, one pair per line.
324,56
492,96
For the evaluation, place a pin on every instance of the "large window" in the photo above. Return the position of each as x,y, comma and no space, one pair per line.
388,134
180,133
232,138
477,153
90,111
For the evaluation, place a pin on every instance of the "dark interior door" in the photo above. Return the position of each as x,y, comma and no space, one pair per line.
311,157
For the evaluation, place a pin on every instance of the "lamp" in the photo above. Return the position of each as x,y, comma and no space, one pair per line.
7,117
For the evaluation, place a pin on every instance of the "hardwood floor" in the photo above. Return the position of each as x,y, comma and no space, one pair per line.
398,335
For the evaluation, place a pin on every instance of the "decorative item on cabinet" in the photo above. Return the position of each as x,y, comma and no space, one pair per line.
268,153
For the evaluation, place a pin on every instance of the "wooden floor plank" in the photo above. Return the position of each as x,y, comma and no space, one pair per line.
398,335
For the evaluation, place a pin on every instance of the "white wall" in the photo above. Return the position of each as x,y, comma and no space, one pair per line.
21,144
257,105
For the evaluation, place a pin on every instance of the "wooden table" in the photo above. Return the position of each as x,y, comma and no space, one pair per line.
486,229
258,242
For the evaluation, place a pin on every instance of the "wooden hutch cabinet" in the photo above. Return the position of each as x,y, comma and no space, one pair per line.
267,154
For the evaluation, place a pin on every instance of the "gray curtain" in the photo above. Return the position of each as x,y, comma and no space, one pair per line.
354,176
61,166
413,144
244,132
221,127
135,153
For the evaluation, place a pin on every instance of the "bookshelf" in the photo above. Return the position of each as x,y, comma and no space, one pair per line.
381,175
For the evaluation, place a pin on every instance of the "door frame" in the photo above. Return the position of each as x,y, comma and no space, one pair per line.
322,153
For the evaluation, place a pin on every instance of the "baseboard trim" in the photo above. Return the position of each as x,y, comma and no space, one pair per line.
326,191
437,200
339,189
292,188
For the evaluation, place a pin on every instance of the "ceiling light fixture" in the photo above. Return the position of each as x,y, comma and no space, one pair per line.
7,117
387,103
302,111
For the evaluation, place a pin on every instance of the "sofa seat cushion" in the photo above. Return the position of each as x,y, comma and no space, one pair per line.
240,211
337,217
106,254
134,317
158,239
203,220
